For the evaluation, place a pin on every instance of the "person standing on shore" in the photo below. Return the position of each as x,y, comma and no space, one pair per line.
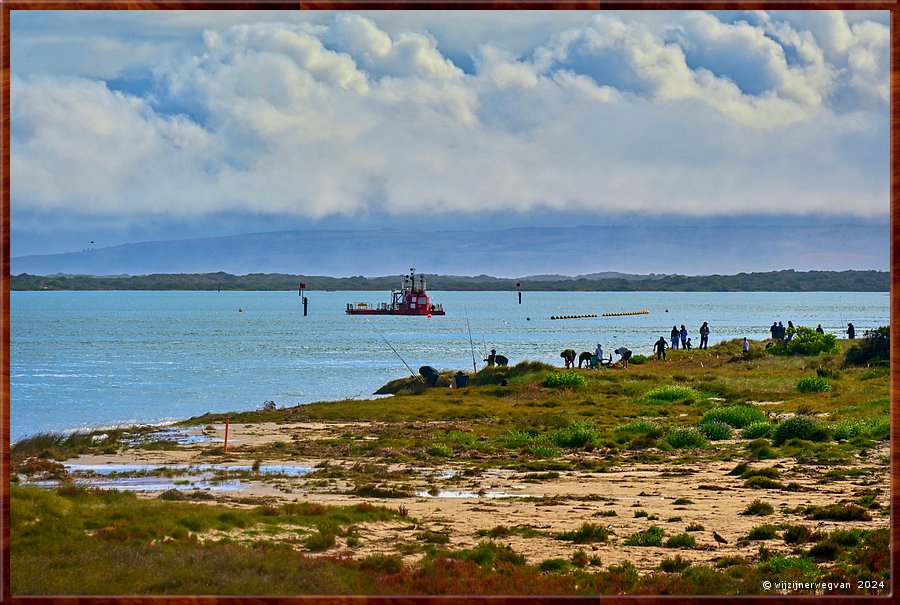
774,330
675,335
745,346
819,329
704,336
851,331
791,330
684,335
660,348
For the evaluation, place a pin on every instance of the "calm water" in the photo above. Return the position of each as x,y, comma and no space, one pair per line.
93,359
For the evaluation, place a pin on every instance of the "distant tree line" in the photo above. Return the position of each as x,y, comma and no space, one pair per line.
772,281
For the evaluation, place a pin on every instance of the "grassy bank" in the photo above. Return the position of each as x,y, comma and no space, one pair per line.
800,441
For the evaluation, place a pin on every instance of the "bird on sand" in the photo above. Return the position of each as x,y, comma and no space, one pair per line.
719,538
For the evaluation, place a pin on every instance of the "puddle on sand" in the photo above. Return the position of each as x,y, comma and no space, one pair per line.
157,484
108,469
186,477
181,436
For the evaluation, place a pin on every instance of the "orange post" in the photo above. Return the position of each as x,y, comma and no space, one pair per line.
225,448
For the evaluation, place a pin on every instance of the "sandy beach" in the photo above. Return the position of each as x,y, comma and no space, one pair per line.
466,506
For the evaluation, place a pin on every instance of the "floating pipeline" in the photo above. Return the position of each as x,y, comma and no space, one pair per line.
572,316
644,312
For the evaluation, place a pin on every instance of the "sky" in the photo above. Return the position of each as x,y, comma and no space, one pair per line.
145,125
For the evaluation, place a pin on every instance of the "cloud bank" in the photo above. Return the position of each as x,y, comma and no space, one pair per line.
350,115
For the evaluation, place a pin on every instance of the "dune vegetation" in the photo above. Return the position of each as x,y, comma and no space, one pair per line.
737,474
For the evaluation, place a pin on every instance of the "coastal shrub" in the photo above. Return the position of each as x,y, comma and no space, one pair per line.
760,449
554,565
516,438
579,558
875,428
758,508
389,564
875,347
440,450
565,379
737,416
838,512
682,540
671,394
645,428
674,565
807,342
685,438
798,427
813,384
763,483
755,430
694,527
587,533
714,430
638,359
652,536
798,534
488,553
827,373
578,434
543,451
768,471
320,541
763,532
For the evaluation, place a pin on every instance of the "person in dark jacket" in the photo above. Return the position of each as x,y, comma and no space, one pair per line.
704,336
684,335
851,331
660,348
675,335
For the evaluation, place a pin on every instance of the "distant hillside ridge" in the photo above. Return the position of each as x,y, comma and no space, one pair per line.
544,252
771,281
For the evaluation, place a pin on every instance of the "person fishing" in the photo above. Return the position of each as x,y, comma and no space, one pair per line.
492,358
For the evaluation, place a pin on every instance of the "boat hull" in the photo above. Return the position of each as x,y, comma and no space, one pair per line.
394,312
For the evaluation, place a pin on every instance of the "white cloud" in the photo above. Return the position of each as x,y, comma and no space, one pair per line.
679,113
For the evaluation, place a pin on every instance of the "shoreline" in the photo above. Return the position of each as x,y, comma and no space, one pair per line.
595,470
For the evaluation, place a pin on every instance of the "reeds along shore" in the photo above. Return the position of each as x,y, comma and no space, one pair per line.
710,473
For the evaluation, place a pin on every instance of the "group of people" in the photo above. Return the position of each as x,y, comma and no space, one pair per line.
780,332
786,333
680,337
596,358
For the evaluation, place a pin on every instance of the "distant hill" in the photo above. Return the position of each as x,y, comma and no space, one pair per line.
550,254
775,281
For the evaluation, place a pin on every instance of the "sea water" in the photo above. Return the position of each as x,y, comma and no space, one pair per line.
85,360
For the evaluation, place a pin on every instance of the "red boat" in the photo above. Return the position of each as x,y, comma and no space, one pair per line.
408,300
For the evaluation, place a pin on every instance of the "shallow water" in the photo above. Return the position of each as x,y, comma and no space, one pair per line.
86,360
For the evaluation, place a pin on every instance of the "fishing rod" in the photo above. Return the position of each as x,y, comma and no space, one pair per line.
471,344
394,350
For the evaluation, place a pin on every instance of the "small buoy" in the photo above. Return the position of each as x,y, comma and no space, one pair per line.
429,316
240,309
527,319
